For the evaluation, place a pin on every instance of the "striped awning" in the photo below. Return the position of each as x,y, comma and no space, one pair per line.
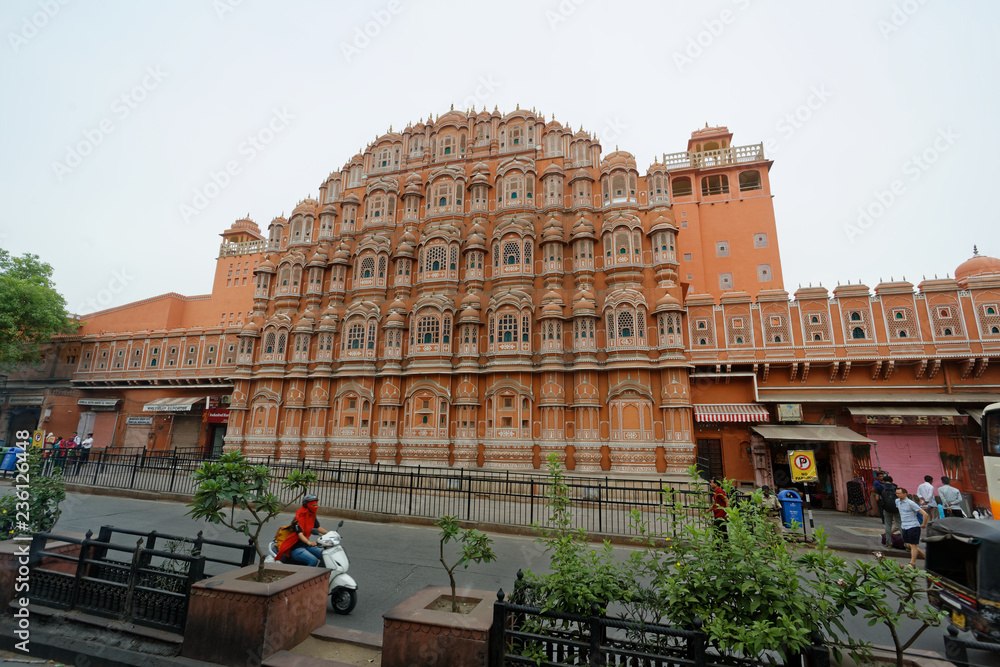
172,404
730,412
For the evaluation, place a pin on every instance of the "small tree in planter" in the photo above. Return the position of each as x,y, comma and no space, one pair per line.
233,483
43,495
476,548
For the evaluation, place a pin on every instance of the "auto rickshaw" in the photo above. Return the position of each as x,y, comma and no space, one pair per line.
963,554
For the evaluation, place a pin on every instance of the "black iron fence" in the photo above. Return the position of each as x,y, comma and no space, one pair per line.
602,505
526,635
132,589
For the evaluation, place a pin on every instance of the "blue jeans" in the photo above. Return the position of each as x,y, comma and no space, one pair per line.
310,556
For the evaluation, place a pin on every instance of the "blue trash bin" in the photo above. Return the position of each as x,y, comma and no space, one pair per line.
9,463
791,508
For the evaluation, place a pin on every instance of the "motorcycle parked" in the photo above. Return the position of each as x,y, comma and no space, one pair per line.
343,588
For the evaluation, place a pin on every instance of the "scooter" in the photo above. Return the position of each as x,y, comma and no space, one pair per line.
343,588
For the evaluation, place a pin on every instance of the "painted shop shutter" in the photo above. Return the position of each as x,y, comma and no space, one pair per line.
185,431
104,429
907,455
136,435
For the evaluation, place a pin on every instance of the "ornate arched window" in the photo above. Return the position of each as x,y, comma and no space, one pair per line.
626,327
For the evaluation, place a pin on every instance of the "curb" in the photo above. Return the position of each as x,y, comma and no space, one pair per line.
497,528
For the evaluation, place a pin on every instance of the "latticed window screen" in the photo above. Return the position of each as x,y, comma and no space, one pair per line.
626,324
621,242
428,330
511,253
436,256
446,330
381,267
355,336
367,267
507,328
618,185
525,328
527,253
453,261
371,335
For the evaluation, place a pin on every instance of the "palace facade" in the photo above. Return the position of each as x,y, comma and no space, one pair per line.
481,290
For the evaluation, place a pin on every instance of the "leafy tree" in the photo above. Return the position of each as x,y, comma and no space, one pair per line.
870,587
753,593
581,576
233,483
31,310
42,495
476,548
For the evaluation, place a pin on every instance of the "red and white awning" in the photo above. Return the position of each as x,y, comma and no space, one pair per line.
731,412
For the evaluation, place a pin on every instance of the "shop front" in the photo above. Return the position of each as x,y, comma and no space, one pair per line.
176,423
831,448
722,435
23,412
908,441
100,417
217,420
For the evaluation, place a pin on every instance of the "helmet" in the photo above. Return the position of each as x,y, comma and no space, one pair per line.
309,498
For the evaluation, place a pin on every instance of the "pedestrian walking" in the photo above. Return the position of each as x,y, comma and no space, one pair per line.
912,520
951,498
877,492
772,508
925,497
890,513
720,502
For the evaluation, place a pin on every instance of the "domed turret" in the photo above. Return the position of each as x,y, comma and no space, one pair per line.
977,265
667,302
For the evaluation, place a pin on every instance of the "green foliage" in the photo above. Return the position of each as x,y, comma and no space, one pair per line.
753,594
31,310
39,498
867,588
581,576
234,483
475,547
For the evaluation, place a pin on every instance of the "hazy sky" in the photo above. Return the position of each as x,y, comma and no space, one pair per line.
880,116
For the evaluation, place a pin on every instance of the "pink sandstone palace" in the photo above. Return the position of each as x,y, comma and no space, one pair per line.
482,290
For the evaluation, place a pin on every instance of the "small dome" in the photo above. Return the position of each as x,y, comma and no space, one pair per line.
398,305
667,302
977,265
472,300
395,318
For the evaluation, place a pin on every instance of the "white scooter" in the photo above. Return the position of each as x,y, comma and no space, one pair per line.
343,588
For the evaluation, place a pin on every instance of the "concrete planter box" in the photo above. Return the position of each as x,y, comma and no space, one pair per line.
233,620
414,636
13,556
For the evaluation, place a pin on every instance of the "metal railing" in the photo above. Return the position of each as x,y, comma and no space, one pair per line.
602,505
527,635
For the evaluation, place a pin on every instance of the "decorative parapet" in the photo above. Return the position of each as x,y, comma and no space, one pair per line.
244,248
716,158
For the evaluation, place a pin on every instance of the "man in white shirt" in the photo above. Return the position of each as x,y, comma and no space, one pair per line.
87,443
951,498
911,520
925,497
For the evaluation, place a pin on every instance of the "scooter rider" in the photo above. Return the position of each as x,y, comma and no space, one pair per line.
300,546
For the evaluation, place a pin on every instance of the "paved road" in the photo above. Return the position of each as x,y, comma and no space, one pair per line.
389,561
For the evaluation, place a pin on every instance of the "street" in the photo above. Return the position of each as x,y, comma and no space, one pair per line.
391,561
